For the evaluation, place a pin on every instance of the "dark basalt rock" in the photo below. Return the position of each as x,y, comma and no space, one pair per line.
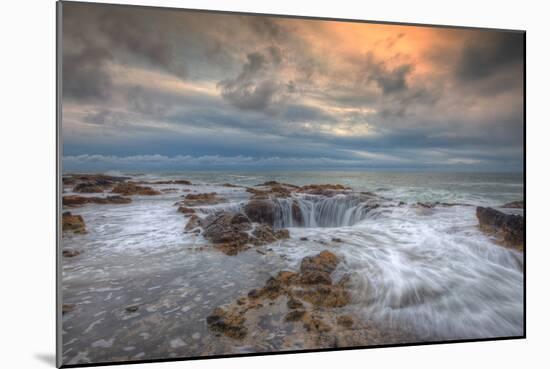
132,309
227,322
431,205
193,223
70,253
325,261
264,234
294,315
514,205
67,308
175,181
297,214
76,200
273,192
230,233
508,228
292,303
227,231
261,211
315,277
185,210
226,228
345,321
275,183
130,189
202,199
327,190
100,180
87,188
230,185
73,223
308,300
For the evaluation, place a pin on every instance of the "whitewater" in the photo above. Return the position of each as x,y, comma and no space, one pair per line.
428,270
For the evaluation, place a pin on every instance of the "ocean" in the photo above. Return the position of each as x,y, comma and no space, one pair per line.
428,270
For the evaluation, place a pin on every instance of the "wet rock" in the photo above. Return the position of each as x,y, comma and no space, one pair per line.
514,205
315,277
175,181
100,180
345,321
431,205
169,190
73,223
325,261
316,323
508,228
282,234
87,188
111,200
229,232
287,277
292,303
67,308
309,304
257,194
261,211
313,283
68,181
70,253
76,200
224,227
328,190
240,219
304,239
297,214
193,223
269,183
425,205
368,193
227,322
131,309
294,315
336,239
130,189
186,210
254,293
271,190
275,183
270,193
329,295
201,199
264,234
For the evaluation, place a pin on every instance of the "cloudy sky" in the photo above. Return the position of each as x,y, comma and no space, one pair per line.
161,89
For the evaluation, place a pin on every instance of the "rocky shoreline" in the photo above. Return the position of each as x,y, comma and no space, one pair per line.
310,303
507,228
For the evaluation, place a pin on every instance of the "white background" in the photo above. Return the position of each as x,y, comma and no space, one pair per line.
27,205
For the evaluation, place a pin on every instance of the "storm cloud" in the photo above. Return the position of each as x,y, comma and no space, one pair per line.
225,90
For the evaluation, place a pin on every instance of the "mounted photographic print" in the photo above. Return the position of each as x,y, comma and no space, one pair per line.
240,184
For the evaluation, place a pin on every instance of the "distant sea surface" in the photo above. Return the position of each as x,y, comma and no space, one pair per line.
474,188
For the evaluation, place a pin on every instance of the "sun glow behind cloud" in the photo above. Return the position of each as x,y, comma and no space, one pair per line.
180,84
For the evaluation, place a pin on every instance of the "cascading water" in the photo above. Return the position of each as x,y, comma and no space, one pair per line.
321,211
